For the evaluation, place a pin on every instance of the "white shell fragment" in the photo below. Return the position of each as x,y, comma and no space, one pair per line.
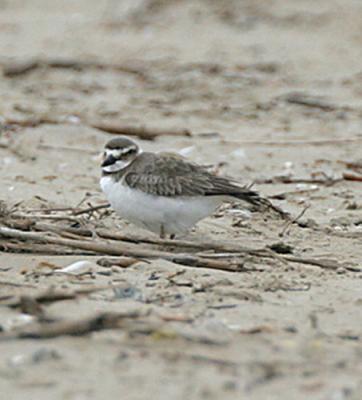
17,322
240,213
78,268
186,151
288,169
238,153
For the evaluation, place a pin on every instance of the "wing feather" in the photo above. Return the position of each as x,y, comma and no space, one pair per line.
171,175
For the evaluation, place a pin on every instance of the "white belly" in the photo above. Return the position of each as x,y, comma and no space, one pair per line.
157,213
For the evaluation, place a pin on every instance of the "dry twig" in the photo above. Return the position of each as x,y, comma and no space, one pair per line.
52,295
352,177
112,127
233,264
293,221
287,180
103,321
323,263
123,249
142,132
90,210
310,101
22,67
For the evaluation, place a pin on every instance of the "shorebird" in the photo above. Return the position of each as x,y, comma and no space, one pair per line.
164,192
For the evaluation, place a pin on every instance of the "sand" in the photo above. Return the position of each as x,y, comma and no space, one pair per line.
270,91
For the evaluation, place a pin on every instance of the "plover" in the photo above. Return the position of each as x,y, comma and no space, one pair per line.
163,192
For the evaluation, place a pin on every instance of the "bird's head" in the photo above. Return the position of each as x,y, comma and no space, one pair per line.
118,154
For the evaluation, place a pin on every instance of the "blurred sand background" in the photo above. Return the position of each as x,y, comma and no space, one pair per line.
271,92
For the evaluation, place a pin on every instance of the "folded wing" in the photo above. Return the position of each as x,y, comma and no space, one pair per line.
171,175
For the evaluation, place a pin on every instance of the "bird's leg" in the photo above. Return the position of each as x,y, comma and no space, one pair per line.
162,232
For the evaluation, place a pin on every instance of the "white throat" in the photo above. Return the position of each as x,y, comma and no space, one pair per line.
117,166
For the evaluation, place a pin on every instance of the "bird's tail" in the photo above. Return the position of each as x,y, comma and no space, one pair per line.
259,203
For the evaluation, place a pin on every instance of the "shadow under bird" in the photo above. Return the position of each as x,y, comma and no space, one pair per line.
163,192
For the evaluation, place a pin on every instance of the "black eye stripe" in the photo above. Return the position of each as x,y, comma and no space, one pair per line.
129,151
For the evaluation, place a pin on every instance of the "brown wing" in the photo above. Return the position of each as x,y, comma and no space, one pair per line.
166,175
171,175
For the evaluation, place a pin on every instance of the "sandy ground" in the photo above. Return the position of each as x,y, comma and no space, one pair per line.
228,72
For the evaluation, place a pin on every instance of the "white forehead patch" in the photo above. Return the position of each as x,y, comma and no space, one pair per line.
117,153
114,153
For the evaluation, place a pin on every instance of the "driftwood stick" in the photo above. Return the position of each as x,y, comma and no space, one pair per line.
50,209
78,327
123,262
346,176
142,132
285,195
126,249
122,249
287,180
229,246
294,220
284,143
309,101
51,295
45,216
22,67
352,177
216,246
60,229
78,233
46,212
33,122
19,68
323,263
112,127
91,209
346,235
45,249
196,245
